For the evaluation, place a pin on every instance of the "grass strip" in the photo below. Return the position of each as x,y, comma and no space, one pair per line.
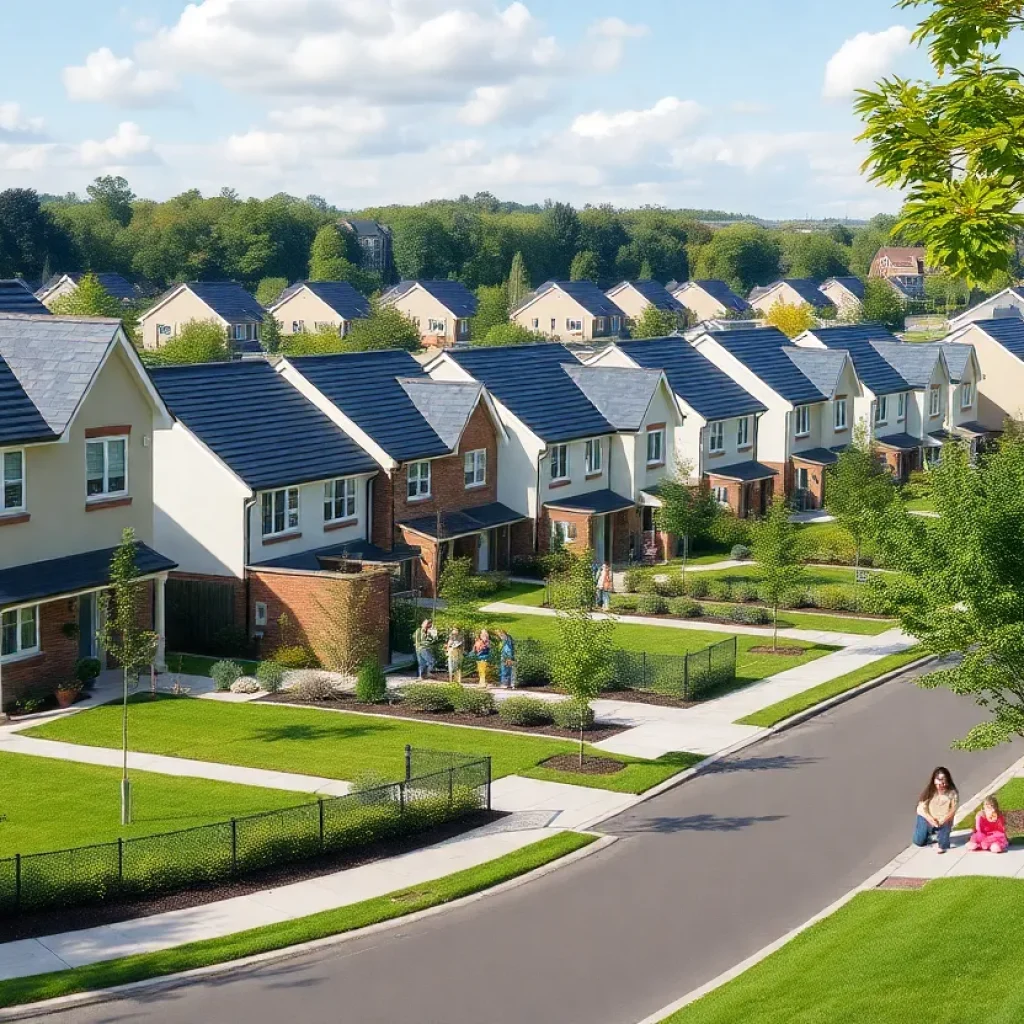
289,933
637,777
775,713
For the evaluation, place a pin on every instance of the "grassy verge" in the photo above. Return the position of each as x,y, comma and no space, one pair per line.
290,933
1011,798
200,664
637,777
52,805
889,957
818,620
531,594
784,709
814,575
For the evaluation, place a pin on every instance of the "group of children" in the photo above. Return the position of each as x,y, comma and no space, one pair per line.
455,649
937,808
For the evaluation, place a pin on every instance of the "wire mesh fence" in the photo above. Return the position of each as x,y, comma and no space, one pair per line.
439,787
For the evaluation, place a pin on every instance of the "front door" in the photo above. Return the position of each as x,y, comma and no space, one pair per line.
600,538
483,552
87,626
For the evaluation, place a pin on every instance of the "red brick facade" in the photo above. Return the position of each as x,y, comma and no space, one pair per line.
814,494
625,527
745,499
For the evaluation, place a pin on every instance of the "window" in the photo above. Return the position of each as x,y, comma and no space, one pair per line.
475,467
598,323
656,446
298,326
966,395
260,613
562,532
716,436
280,511
882,409
616,324
339,500
12,496
554,324
721,495
560,462
463,328
901,408
594,456
839,414
574,326
106,467
535,324
802,479
934,402
418,481
19,632
803,420
436,326
163,330
743,432
932,456
238,332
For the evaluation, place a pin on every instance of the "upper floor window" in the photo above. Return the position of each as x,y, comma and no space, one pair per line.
560,462
966,395
535,324
554,324
901,407
19,632
934,402
839,414
803,420
339,500
12,495
418,481
462,327
280,511
106,467
593,456
436,326
655,446
743,432
475,467
882,409
716,436
574,326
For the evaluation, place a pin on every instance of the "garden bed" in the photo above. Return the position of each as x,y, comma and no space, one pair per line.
590,766
661,700
782,652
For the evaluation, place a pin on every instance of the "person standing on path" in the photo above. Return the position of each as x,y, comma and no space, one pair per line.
455,648
421,641
936,810
508,660
482,653
604,586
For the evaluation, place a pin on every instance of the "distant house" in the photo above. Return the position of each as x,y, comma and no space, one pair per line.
374,243
633,298
225,302
310,305
1007,303
845,293
794,291
905,264
570,311
440,309
17,297
66,284
709,299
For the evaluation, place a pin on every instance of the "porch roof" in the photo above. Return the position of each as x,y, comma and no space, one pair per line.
974,429
900,442
746,472
818,456
72,574
356,550
465,522
594,503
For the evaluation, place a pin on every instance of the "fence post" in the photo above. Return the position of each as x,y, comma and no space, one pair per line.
234,846
488,782
321,803
451,794
408,762
686,677
17,880
120,861
401,799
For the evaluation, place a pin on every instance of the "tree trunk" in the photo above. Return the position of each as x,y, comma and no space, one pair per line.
775,627
686,549
581,739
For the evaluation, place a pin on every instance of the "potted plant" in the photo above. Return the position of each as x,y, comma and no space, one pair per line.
68,692
86,671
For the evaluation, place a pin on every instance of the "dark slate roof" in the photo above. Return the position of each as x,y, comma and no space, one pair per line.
17,297
818,456
362,226
744,471
822,366
586,293
957,358
229,300
1007,331
359,550
904,442
975,429
36,581
854,285
345,300
763,351
621,395
595,503
721,292
261,426
467,521
49,363
807,289
530,382
453,295
914,363
445,404
368,388
877,372
113,284
654,293
706,389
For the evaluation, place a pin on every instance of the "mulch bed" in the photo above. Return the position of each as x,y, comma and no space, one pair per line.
894,882
722,620
1014,823
591,765
49,922
661,700
786,652
347,702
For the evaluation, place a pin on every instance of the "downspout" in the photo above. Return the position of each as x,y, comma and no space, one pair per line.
367,532
537,506
247,506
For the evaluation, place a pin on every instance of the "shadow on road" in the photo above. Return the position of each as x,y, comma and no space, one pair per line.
697,823
779,762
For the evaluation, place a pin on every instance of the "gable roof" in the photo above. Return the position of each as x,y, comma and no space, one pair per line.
113,284
653,292
854,285
530,381
446,405
228,299
873,367
914,363
17,297
345,300
706,389
1005,331
910,257
258,424
823,368
586,293
453,295
720,292
957,357
807,289
621,395
1011,293
48,364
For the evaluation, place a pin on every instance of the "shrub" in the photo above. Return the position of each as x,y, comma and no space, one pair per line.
829,544
245,685
568,714
86,670
798,598
740,552
525,711
270,676
294,656
315,687
835,597
719,590
371,683
729,530
224,673
696,584
631,580
472,702
232,641
672,586
685,608
625,602
368,782
557,561
531,663
750,615
651,604
646,584
873,599
744,592
428,697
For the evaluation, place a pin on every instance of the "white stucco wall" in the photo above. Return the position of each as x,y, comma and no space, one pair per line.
1001,387
1005,303
700,303
306,307
175,313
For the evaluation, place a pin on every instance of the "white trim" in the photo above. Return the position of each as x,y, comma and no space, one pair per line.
333,499
419,495
14,510
474,454
21,653
105,494
287,529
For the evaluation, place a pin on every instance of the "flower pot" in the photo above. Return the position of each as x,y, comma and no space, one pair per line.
65,698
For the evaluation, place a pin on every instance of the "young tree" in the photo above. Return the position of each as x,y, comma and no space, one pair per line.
491,310
518,281
654,323
790,318
385,327
775,549
270,333
584,266
688,508
198,341
509,333
123,639
881,304
646,270
90,298
459,588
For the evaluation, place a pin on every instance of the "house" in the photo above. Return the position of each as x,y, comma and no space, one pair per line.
904,265
796,291
584,443
66,284
845,293
78,418
1007,303
17,297
264,502
311,305
570,311
999,347
437,447
375,244
710,299
809,397
440,309
717,438
633,298
225,303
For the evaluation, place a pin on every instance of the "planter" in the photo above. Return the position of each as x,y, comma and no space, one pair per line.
65,698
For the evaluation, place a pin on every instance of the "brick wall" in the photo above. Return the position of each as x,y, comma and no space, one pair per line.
815,481
583,534
382,531
54,664
326,612
626,535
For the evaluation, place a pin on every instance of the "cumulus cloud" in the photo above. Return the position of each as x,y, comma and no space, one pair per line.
607,41
863,59
15,124
518,102
105,78
127,147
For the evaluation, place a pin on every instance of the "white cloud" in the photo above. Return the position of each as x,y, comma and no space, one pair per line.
625,135
15,124
105,78
607,42
518,102
127,147
864,59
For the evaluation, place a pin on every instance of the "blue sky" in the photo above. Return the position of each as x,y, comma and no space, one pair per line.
735,104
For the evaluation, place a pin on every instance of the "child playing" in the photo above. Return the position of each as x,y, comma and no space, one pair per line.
989,828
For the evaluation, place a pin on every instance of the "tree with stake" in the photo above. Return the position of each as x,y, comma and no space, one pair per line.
688,509
123,639
775,549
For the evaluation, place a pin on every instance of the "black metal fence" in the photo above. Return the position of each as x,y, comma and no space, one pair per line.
438,788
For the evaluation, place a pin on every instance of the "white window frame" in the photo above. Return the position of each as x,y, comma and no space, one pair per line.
417,480
839,421
239,332
934,402
298,327
164,330
802,420
574,326
743,433
656,434
340,491
803,474
5,509
106,493
554,324
966,395
435,326
462,327
721,495
536,324
593,457
27,615
598,323
565,529
474,468
616,323
716,436
901,407
560,469
881,410
932,457
289,514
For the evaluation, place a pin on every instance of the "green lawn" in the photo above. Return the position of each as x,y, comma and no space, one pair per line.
637,777
944,954
921,504
814,575
520,593
775,713
200,664
52,805
837,623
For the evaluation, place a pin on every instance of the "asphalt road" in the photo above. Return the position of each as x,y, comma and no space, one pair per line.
703,876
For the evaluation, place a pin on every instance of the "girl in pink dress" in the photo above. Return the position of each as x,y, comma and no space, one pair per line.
989,828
